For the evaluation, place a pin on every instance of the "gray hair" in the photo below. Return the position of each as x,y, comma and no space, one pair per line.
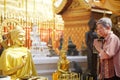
106,22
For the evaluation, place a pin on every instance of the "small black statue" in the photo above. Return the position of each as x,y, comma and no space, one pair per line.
52,52
61,42
92,53
76,67
72,51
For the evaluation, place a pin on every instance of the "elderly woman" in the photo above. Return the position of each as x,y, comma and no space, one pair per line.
16,61
109,50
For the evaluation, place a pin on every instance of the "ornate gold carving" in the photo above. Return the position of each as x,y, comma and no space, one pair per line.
6,25
61,6
75,4
79,4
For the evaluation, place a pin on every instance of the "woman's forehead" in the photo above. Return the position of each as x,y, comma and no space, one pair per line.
99,25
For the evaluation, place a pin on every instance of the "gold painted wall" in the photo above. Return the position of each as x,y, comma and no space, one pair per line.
75,20
76,33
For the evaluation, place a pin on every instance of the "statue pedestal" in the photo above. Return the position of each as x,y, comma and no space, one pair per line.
47,65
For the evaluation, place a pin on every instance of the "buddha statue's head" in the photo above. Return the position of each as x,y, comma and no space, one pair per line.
63,54
18,36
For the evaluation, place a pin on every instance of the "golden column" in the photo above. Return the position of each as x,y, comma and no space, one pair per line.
4,9
54,30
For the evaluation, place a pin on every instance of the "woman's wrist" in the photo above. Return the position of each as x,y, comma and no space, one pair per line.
101,50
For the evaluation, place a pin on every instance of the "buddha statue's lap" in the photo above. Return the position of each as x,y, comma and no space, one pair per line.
16,60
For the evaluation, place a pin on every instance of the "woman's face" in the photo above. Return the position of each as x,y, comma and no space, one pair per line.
20,39
101,30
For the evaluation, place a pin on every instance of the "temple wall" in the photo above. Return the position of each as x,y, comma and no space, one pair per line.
75,20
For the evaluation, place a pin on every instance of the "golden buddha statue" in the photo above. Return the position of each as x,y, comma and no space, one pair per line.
16,61
63,69
63,65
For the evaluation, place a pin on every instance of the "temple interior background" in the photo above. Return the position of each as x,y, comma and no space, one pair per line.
68,17
55,18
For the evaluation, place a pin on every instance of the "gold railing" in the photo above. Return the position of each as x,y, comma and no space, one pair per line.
71,76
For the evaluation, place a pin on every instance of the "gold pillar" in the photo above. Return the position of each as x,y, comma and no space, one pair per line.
54,30
4,6
4,9
26,11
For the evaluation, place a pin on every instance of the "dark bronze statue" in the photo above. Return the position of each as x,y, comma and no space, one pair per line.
72,51
51,50
76,67
61,42
91,54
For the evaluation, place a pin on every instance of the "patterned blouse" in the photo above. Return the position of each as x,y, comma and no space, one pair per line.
108,65
107,68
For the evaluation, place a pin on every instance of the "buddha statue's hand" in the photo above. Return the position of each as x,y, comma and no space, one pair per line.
24,60
66,72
